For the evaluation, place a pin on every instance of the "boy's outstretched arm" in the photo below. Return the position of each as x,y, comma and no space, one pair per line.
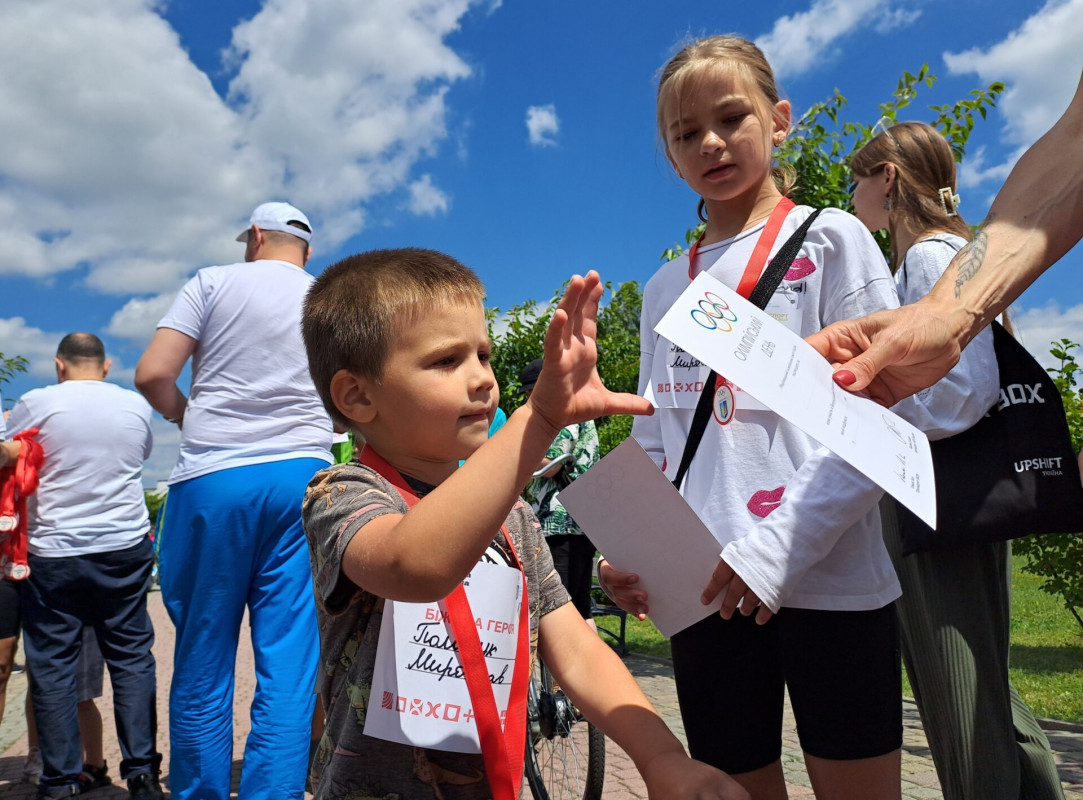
423,555
599,684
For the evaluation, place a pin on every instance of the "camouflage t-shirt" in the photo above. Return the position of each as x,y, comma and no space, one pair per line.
349,765
582,442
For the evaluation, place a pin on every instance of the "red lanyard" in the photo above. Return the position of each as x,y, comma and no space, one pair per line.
17,482
502,750
757,261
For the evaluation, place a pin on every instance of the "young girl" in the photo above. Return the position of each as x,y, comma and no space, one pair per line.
799,527
954,612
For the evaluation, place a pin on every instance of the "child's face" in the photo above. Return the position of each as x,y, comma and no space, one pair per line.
719,137
437,395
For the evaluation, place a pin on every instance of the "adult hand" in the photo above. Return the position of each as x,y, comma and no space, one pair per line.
890,355
674,776
622,588
569,389
735,593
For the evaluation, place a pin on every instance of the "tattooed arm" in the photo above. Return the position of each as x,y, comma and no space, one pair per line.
1034,220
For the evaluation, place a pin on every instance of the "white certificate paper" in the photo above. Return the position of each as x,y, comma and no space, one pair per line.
419,696
776,366
634,515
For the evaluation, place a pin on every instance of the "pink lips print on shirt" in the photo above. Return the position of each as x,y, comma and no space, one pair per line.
764,502
802,268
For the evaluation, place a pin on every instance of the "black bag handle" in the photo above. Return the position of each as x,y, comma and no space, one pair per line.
765,287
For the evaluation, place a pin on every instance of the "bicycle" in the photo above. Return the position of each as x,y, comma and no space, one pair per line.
565,754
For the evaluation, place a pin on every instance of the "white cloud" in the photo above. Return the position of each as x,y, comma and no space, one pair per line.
426,198
39,348
137,319
1040,62
542,125
167,438
800,41
1037,327
126,160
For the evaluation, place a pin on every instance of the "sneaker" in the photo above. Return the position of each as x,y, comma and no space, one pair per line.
32,767
144,786
94,777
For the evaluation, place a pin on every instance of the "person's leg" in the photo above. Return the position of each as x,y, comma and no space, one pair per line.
580,575
285,637
842,671
88,686
730,689
204,562
954,620
9,634
32,766
52,638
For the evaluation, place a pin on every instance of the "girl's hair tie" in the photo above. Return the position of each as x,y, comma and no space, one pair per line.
949,201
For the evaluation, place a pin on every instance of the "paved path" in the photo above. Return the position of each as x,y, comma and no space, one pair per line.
622,781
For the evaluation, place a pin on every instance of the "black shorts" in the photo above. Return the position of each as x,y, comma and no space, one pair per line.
10,592
842,670
573,559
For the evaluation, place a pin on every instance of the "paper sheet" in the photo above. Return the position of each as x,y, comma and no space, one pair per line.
776,366
639,521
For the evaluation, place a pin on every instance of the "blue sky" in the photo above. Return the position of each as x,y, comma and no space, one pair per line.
519,137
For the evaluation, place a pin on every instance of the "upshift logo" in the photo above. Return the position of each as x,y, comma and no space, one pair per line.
1047,466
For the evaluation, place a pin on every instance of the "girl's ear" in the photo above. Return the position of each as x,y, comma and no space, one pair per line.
351,396
782,117
889,177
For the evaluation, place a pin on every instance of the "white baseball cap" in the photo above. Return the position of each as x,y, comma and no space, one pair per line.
276,217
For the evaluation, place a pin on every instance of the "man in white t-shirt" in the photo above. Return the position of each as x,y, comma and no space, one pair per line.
90,562
253,433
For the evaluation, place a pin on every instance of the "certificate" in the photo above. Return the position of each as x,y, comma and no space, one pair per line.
419,693
625,492
773,364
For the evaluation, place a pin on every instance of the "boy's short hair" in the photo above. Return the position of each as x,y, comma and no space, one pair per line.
356,306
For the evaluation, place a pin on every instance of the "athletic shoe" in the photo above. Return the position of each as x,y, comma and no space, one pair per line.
32,767
144,786
94,777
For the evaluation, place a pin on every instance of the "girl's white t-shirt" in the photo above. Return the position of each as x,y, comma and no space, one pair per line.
964,395
797,523
95,437
252,399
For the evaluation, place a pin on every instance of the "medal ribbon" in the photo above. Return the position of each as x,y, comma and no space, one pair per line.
758,260
17,482
502,750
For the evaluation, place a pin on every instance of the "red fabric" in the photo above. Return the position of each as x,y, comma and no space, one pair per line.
17,482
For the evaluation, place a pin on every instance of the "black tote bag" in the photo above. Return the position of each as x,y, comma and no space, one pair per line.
1012,474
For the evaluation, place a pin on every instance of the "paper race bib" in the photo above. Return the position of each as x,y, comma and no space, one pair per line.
419,695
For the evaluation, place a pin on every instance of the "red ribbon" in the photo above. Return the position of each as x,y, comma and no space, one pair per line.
758,260
17,482
503,750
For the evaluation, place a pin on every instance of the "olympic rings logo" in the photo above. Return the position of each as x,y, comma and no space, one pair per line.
714,313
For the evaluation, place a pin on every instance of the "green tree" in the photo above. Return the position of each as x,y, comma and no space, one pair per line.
9,367
1058,559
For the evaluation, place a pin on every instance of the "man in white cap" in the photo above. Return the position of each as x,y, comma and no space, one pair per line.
253,433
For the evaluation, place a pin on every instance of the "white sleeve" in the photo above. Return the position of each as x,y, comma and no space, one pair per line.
964,395
186,313
21,418
824,498
647,431
3,425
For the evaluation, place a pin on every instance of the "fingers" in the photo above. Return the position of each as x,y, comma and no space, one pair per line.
623,403
720,578
621,587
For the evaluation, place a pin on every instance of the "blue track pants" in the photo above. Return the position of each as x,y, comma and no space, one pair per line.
234,538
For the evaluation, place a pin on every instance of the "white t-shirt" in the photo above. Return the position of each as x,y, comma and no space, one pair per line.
798,524
95,437
3,424
964,395
252,399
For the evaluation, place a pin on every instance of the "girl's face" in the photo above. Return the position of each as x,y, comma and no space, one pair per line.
719,135
870,192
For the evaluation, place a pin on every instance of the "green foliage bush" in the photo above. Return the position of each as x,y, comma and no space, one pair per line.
1058,559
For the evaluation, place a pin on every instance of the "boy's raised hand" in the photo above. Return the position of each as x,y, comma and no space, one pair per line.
569,389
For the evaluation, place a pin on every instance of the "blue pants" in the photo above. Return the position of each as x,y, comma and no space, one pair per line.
234,538
106,591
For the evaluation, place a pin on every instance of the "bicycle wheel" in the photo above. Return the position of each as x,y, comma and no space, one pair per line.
565,754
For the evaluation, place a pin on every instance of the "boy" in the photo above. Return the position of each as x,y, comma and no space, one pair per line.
399,351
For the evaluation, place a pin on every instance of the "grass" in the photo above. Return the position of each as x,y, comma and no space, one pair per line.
1046,653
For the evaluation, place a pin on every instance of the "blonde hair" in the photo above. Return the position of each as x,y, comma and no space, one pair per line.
924,165
682,74
356,307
